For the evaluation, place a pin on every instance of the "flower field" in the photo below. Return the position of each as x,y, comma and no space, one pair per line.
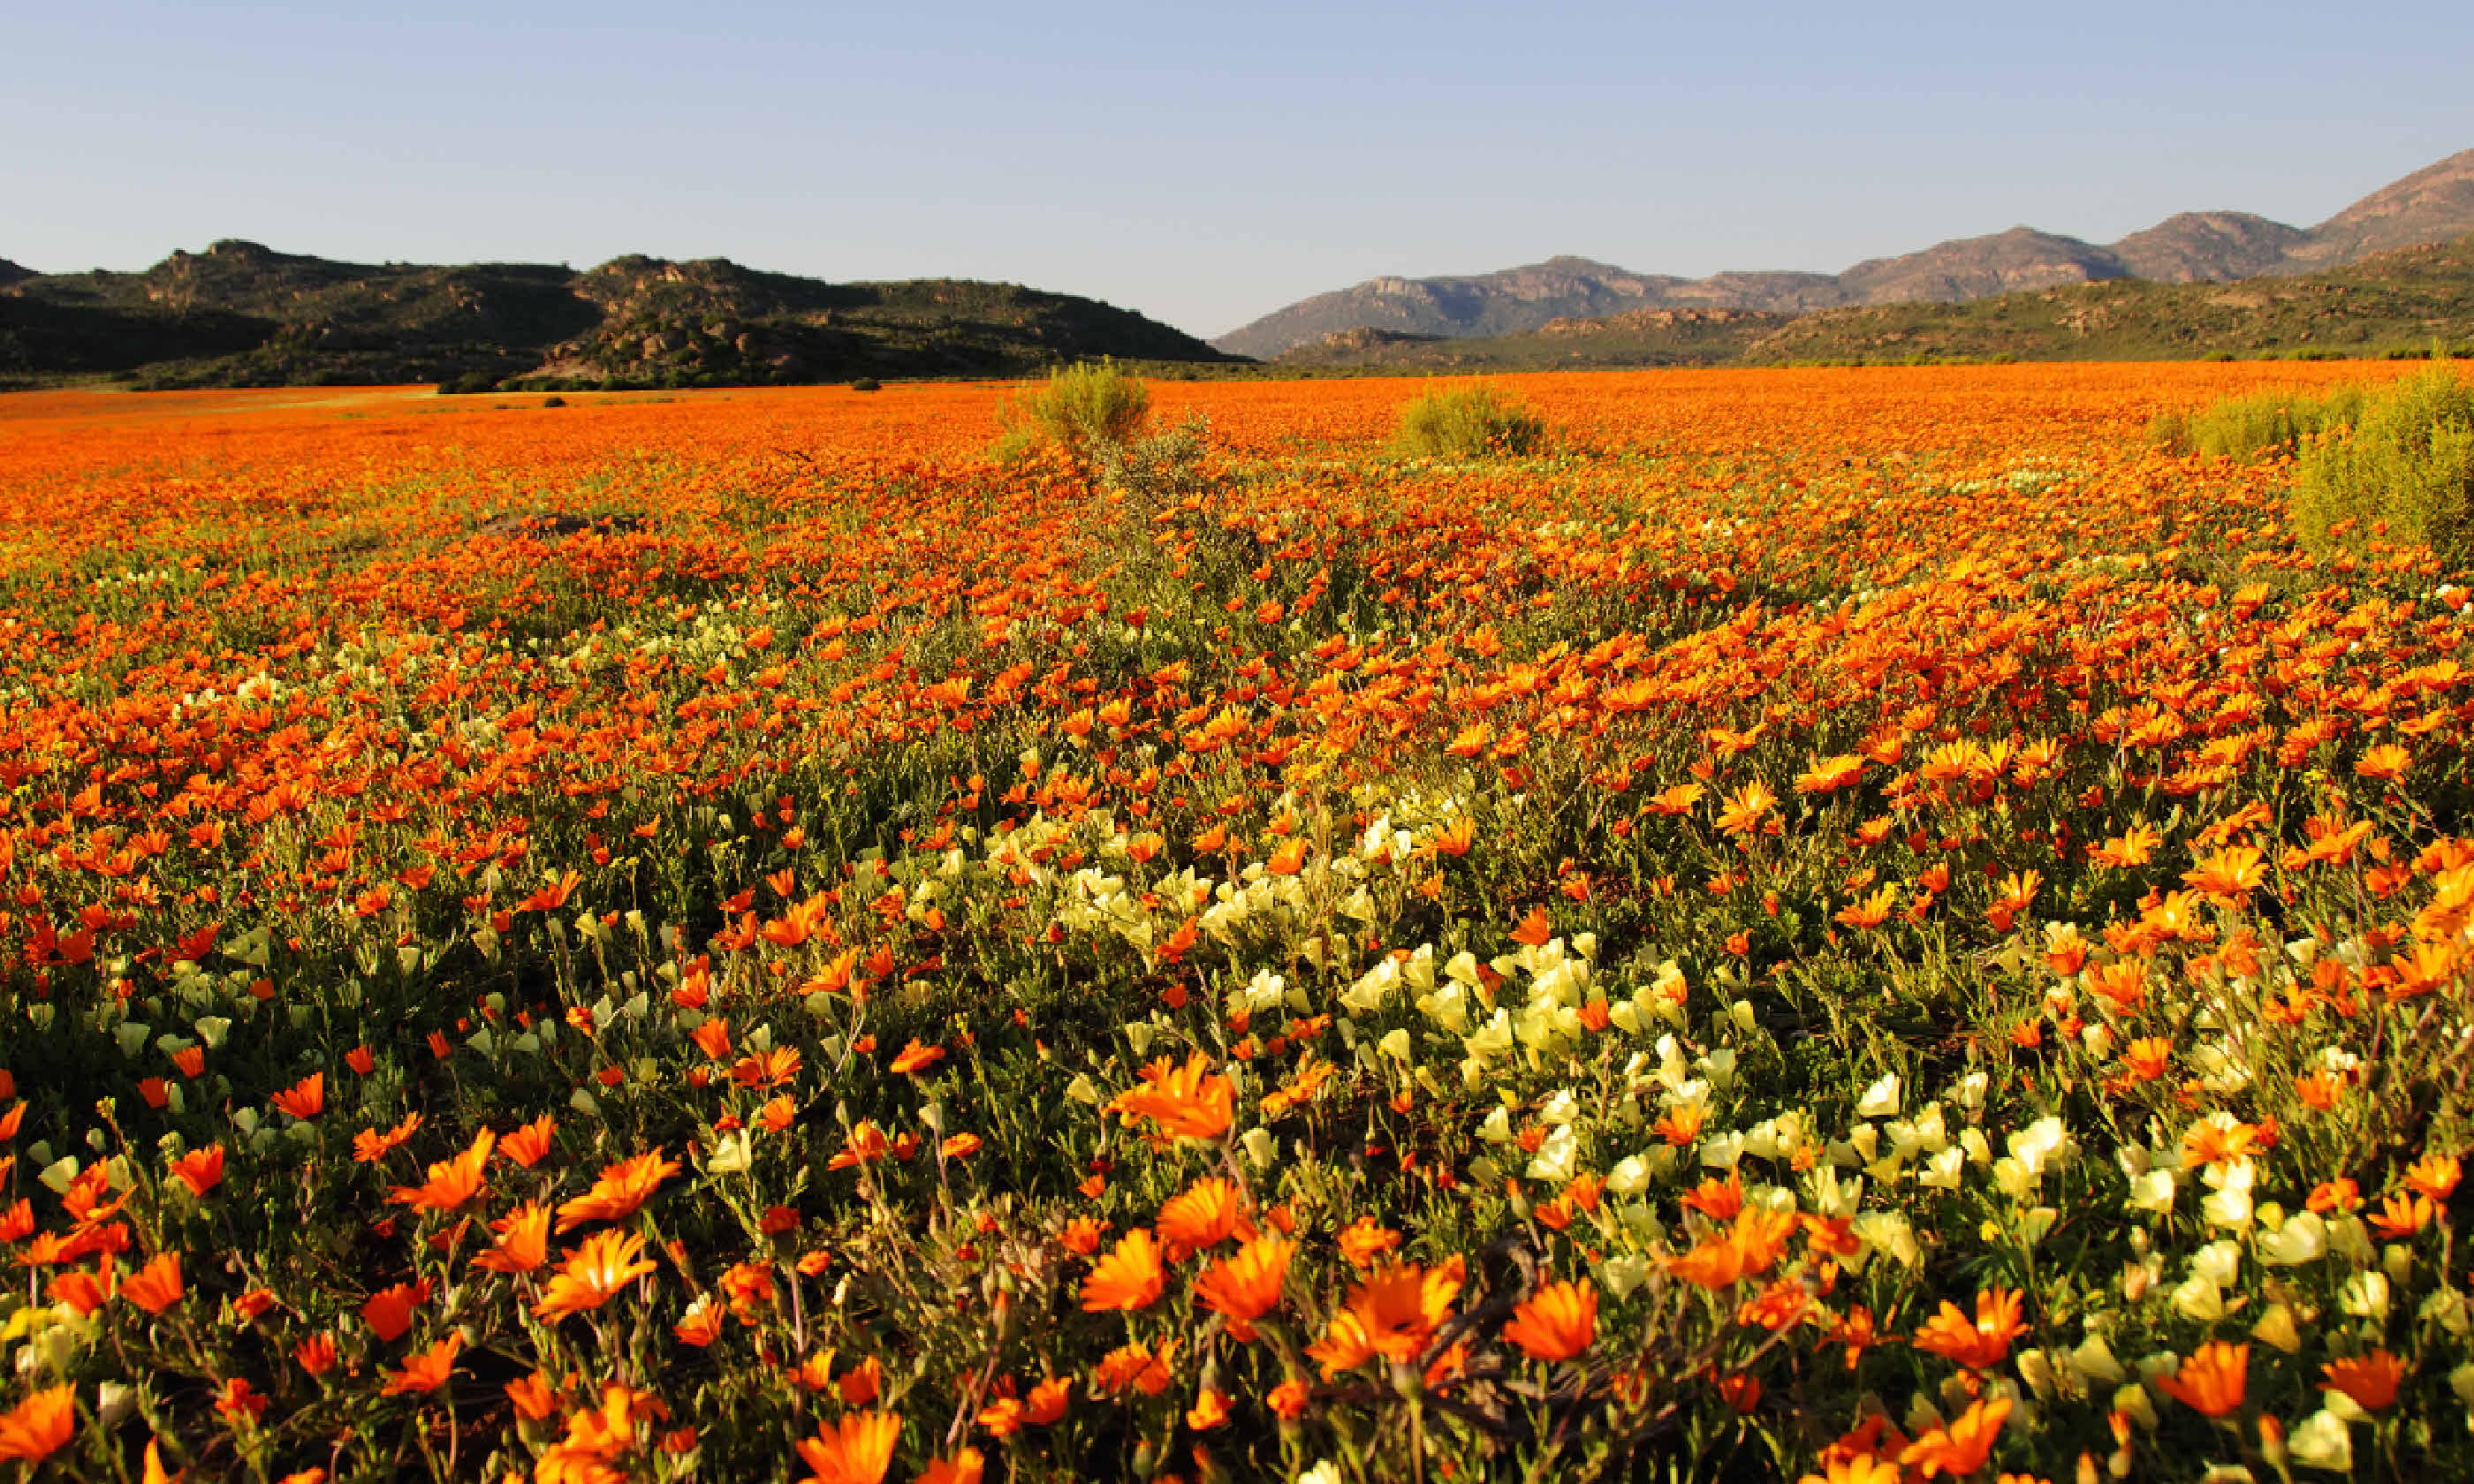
1852,923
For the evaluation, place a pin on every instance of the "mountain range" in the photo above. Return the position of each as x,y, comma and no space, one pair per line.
2431,204
240,314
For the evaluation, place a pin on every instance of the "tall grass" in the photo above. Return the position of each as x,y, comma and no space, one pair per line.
2262,425
1469,422
2405,469
1082,410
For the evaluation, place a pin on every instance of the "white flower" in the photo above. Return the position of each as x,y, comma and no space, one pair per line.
1556,1156
1942,1171
2152,1192
2303,1238
1881,1100
1629,1177
2040,1144
2201,1299
2094,1360
2219,1261
2364,1296
2230,1205
1887,1232
2322,1442
1620,1275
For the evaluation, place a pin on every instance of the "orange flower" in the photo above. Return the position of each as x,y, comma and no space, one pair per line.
2371,1380
389,1312
593,1274
965,1467
305,1098
523,1241
1979,1345
761,1070
82,1291
452,1181
1210,1410
426,1371
1745,1250
866,1144
2387,760
856,1451
240,1403
1207,1212
621,1190
2434,1176
961,1146
1364,1240
1187,1102
528,1144
533,1397
156,1286
1289,1399
200,1169
2212,1381
1397,1311
1246,1285
1129,1277
36,1429
917,1057
1715,1201
370,1146
1046,1402
1560,1323
859,1384
1962,1447
1860,1469
1745,807
1859,1332
2401,1215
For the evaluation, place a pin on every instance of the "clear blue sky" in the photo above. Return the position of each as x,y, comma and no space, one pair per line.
1205,164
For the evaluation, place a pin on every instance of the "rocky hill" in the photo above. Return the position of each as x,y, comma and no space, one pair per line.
242,315
2432,205
2400,303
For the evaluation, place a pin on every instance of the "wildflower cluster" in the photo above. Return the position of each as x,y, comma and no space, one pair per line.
1869,924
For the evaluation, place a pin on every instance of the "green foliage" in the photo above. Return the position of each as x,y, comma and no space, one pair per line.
2261,425
1472,420
868,384
1083,410
1163,468
2407,470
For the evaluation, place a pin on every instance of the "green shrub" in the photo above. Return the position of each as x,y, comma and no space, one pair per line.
1083,409
868,384
2261,425
1162,470
1468,421
2406,469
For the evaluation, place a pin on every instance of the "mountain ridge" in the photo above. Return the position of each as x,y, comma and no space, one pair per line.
2431,204
2406,301
242,314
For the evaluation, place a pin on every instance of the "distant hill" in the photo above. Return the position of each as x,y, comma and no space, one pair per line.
2432,205
2399,302
242,315
1638,337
